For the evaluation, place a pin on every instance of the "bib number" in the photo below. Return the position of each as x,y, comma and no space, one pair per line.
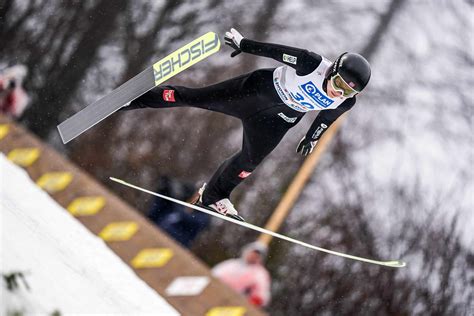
301,100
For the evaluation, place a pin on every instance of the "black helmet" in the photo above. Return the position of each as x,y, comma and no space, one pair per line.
354,69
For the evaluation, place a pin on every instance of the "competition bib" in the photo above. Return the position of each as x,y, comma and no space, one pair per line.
304,93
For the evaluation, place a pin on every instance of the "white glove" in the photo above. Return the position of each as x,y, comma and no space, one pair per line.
233,39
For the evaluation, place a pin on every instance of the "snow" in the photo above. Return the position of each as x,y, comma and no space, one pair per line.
67,268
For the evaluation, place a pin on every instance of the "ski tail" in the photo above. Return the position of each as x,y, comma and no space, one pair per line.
159,72
106,106
390,263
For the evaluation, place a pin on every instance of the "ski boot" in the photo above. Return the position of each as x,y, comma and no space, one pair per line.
223,207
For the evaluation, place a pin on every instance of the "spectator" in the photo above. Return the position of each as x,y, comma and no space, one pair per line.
247,274
181,223
13,99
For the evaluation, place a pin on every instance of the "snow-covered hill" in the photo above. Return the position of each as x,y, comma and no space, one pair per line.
67,269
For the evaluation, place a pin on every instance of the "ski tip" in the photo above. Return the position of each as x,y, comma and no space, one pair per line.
396,264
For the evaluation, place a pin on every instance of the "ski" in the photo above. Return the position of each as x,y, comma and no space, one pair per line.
164,69
391,263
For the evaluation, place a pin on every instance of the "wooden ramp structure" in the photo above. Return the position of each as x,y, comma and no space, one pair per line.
155,257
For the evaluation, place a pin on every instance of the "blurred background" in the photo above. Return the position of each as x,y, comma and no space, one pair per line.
396,182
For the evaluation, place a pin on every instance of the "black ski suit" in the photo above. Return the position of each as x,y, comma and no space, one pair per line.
253,99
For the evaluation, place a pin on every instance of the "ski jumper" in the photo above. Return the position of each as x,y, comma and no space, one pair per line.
268,102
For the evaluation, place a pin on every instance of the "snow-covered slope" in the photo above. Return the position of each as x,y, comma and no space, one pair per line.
67,268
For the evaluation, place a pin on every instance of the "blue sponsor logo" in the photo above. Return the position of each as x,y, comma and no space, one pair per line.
313,92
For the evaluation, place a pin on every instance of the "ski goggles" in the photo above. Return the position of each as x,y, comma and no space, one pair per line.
340,85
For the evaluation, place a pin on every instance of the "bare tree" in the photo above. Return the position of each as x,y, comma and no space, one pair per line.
65,75
12,21
438,280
